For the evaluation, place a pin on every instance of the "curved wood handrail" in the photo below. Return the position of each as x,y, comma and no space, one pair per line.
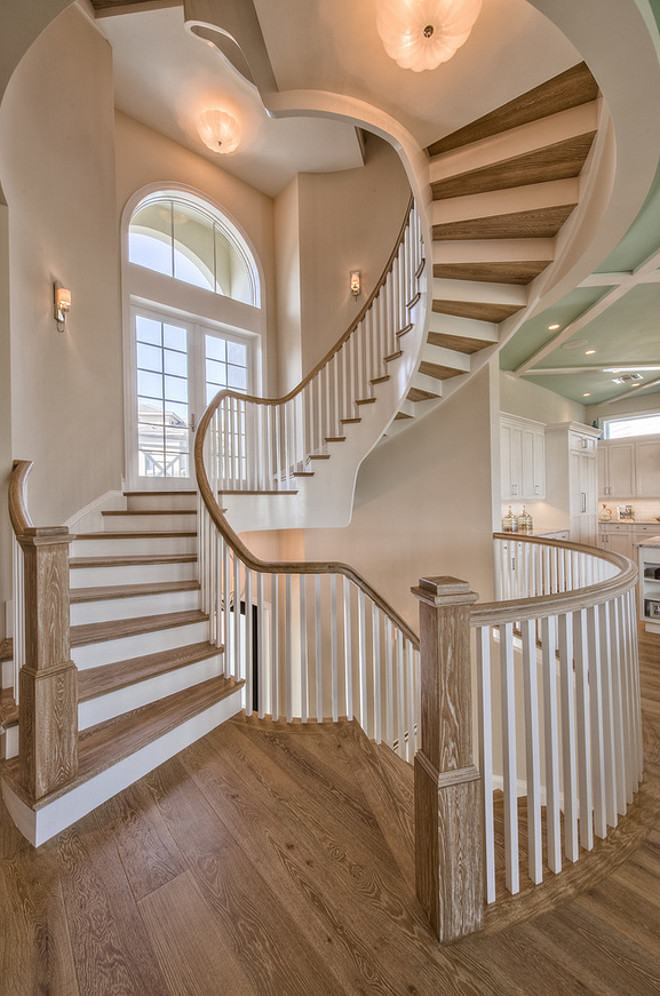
255,399
281,567
516,610
18,510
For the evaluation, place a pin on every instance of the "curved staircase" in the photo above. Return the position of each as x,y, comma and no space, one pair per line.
503,188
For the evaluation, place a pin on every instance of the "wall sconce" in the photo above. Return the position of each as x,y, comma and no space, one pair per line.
356,283
62,298
219,131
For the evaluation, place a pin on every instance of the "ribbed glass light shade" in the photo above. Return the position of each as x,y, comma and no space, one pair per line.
219,131
420,34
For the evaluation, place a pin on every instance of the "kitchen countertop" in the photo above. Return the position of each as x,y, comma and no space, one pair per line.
629,522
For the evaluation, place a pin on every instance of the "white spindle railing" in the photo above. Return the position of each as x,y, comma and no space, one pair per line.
262,444
558,701
18,615
310,641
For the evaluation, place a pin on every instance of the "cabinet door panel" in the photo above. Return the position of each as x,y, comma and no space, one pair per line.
622,470
648,469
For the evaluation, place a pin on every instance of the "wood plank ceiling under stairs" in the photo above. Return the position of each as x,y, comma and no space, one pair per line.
503,187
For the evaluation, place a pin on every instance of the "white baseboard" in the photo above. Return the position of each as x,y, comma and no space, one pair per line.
89,518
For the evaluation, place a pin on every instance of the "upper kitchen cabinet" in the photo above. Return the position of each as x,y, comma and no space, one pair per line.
522,448
572,486
616,469
630,468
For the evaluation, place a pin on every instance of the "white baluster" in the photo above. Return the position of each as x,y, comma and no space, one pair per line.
507,679
318,663
334,647
348,649
274,649
582,675
410,701
484,712
569,749
596,720
532,751
288,656
239,668
249,645
261,637
401,696
226,590
609,735
375,652
389,683
304,657
362,661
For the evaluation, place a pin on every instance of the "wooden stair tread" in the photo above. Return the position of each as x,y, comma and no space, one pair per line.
365,401
107,678
349,421
561,161
401,415
303,473
404,331
130,561
319,456
335,439
133,534
263,491
393,356
108,592
380,380
480,310
461,344
520,273
569,89
538,223
101,746
152,511
116,629
439,371
417,394
155,494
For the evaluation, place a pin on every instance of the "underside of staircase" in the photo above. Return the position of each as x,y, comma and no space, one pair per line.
503,187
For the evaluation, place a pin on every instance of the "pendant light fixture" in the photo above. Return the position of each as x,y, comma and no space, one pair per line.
219,131
420,34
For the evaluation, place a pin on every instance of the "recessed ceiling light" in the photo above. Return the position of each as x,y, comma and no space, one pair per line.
587,395
574,343
589,352
551,328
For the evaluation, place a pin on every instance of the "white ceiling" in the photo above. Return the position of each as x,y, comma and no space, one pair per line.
165,77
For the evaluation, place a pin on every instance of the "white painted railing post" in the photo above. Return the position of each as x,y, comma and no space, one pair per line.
448,816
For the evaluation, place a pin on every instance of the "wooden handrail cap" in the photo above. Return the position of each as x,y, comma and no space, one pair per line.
444,590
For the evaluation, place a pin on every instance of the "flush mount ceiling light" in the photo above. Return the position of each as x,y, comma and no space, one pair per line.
420,34
219,131
553,327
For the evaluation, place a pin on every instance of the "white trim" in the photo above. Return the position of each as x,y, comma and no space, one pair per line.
89,519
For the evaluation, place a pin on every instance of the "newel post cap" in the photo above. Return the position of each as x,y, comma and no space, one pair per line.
444,590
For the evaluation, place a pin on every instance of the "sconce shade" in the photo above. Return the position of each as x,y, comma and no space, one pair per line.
63,299
356,283
219,131
62,305
420,34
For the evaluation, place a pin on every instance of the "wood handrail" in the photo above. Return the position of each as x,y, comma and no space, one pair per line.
18,510
539,606
255,399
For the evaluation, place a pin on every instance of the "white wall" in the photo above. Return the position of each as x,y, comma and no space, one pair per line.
146,157
629,406
289,314
57,171
349,220
520,397
5,415
423,504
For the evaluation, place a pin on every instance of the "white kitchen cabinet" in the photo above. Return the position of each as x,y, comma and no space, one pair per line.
616,469
571,478
647,468
618,537
522,450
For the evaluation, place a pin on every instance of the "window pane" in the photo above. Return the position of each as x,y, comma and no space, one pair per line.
193,245
149,357
216,349
176,363
641,425
150,384
174,337
237,377
148,330
176,389
216,373
150,411
150,237
237,353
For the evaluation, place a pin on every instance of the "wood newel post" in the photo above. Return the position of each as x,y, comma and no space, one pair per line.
48,691
448,816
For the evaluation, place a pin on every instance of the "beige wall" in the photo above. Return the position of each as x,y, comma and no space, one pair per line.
349,220
519,397
629,406
423,504
57,171
5,415
146,157
289,316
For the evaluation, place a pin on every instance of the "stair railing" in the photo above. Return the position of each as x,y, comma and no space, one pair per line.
47,679
264,444
558,722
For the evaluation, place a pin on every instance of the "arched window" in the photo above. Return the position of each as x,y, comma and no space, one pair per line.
195,324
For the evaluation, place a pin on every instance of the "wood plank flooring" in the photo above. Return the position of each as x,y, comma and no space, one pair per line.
268,860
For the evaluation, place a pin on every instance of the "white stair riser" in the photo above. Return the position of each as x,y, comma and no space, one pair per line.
137,545
493,250
103,610
126,523
96,577
479,291
138,645
509,201
42,824
181,500
123,700
472,328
